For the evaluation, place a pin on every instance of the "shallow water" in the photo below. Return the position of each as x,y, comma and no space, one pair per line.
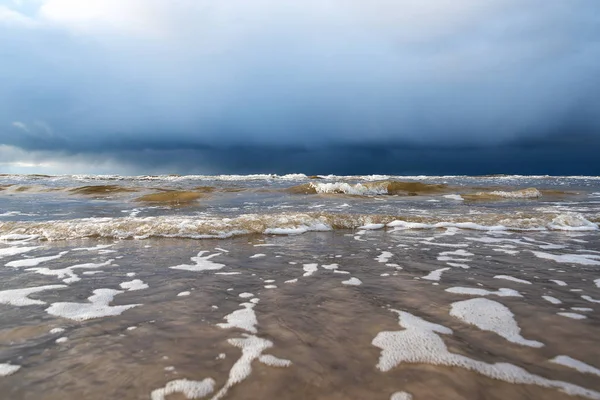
325,302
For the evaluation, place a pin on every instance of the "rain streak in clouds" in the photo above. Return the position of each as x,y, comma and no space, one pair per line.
185,85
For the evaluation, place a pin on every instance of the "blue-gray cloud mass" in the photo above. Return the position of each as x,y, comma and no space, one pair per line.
208,86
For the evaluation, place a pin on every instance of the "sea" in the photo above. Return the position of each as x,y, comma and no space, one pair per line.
299,287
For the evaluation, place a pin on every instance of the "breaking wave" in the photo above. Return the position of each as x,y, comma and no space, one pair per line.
369,188
284,223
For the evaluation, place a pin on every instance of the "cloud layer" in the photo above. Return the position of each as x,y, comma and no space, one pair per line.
114,77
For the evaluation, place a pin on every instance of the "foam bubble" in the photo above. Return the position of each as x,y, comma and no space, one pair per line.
384,257
259,255
68,274
590,299
190,389
491,316
270,286
401,396
19,297
582,309
421,343
13,251
502,292
309,269
183,294
552,300
273,361
330,267
512,279
352,282
372,227
135,284
245,295
558,282
63,339
572,315
576,364
597,282
582,259
8,369
435,275
292,281
32,262
244,318
456,197
202,263
56,330
458,265
96,308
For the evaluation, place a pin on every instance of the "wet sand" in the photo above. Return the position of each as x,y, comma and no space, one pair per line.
325,328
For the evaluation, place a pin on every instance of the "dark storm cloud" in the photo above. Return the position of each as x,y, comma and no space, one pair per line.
279,85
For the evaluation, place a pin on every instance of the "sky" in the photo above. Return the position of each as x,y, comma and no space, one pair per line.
314,86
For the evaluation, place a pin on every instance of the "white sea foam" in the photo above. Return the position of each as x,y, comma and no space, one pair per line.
459,252
190,389
582,259
352,282
597,282
252,348
60,340
245,295
8,369
273,361
571,221
270,286
456,197
512,279
309,269
56,330
330,267
357,189
458,265
13,251
32,262
68,274
572,315
291,281
259,255
491,316
384,257
372,227
421,343
582,309
590,299
401,396
19,297
576,364
135,284
202,263
558,282
96,308
183,294
502,292
244,318
435,275
552,300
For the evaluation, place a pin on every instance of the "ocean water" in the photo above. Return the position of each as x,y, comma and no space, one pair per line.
296,287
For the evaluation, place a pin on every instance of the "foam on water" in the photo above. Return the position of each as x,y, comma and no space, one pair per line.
18,297
575,364
401,396
245,295
597,282
459,252
502,292
582,309
13,251
202,263
512,279
135,284
572,315
558,282
190,389
68,274
60,340
384,257
456,197
8,369
435,275
32,262
582,259
273,361
183,294
97,307
458,265
491,316
244,319
552,300
309,269
259,255
352,282
590,299
421,343
56,330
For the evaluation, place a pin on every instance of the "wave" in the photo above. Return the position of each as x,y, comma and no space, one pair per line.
529,193
283,223
369,188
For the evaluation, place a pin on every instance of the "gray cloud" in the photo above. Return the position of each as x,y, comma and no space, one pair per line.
112,77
